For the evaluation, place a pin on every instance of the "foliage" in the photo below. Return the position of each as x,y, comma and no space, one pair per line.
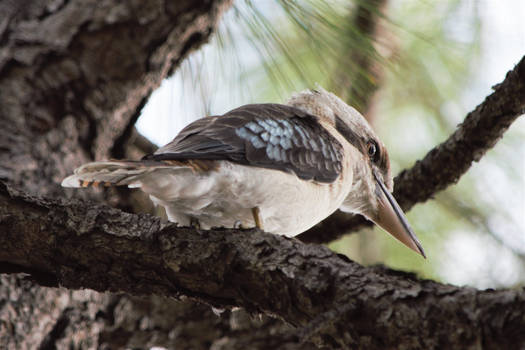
428,52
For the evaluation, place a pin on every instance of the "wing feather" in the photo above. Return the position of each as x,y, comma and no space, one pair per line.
265,135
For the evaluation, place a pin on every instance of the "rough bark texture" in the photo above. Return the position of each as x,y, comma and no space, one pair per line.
74,76
447,162
50,318
332,300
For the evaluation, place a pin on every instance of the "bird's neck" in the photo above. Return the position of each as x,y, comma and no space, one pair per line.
358,199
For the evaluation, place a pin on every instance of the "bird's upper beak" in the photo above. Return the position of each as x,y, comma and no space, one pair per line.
392,219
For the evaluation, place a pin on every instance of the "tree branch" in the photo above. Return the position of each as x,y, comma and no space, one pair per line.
447,162
332,300
74,75
173,324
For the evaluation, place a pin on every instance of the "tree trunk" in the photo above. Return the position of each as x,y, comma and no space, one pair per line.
74,76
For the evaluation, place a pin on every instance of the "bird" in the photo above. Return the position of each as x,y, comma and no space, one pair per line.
282,168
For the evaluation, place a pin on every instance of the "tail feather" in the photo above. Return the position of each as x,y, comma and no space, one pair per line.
129,172
110,173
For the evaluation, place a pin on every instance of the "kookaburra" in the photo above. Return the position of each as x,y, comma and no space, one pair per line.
282,168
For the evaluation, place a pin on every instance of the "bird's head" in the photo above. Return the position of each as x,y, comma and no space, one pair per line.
370,193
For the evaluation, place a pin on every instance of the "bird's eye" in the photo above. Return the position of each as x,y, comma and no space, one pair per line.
372,150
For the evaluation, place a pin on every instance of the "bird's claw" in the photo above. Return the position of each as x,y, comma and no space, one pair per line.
256,212
195,223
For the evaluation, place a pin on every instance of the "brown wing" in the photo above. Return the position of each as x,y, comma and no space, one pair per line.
265,135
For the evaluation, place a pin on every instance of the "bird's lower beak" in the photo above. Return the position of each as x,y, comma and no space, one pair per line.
392,219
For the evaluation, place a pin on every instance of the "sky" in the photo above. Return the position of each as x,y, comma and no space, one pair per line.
177,102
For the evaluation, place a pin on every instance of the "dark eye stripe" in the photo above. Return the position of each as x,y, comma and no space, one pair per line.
350,135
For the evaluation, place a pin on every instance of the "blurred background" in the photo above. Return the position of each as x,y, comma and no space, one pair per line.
414,69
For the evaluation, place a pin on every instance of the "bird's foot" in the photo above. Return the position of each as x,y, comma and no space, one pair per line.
194,222
256,212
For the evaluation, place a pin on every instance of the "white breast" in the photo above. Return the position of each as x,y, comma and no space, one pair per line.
225,197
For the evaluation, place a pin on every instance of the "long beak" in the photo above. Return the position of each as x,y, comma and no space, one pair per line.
392,219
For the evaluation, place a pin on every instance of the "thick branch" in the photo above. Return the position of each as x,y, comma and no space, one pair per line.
332,300
75,74
447,162
171,324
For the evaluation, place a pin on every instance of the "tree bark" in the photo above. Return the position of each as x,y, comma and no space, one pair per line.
447,162
330,299
74,76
